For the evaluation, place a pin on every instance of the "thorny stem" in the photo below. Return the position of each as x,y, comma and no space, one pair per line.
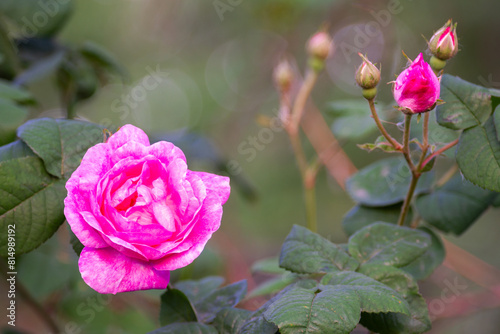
390,139
438,152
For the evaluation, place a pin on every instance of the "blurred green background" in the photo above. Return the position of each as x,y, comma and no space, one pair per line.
212,62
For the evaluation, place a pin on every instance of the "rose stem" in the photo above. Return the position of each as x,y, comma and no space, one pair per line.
392,141
28,298
414,173
307,172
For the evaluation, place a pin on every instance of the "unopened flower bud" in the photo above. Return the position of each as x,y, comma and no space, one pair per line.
367,75
443,44
283,75
320,45
417,88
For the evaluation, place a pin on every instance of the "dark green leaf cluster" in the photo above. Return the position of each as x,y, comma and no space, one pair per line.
33,172
330,289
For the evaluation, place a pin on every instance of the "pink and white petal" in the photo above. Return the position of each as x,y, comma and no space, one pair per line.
87,235
190,248
108,271
166,152
216,184
131,149
125,134
180,260
95,164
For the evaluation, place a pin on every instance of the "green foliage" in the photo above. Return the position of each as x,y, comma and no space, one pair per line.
478,156
60,143
230,320
384,183
13,111
305,252
424,265
387,244
186,328
30,199
24,14
390,322
360,216
175,307
455,206
466,105
196,290
351,118
228,296
33,172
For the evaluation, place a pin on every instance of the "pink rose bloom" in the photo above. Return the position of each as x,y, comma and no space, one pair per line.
417,88
139,212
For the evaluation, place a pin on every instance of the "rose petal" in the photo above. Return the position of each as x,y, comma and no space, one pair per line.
216,184
87,235
190,248
108,271
125,134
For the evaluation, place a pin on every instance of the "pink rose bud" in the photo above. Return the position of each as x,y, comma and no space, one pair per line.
417,88
367,75
443,44
283,75
140,212
320,45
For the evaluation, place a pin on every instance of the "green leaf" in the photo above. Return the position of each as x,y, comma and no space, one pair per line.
384,183
60,143
102,58
387,244
14,150
196,290
175,307
10,92
466,105
306,252
381,143
496,121
75,243
40,69
11,114
30,199
455,206
373,296
273,285
269,266
360,216
228,296
334,306
416,322
351,118
478,156
423,266
230,320
26,14
496,201
256,323
186,328
302,310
